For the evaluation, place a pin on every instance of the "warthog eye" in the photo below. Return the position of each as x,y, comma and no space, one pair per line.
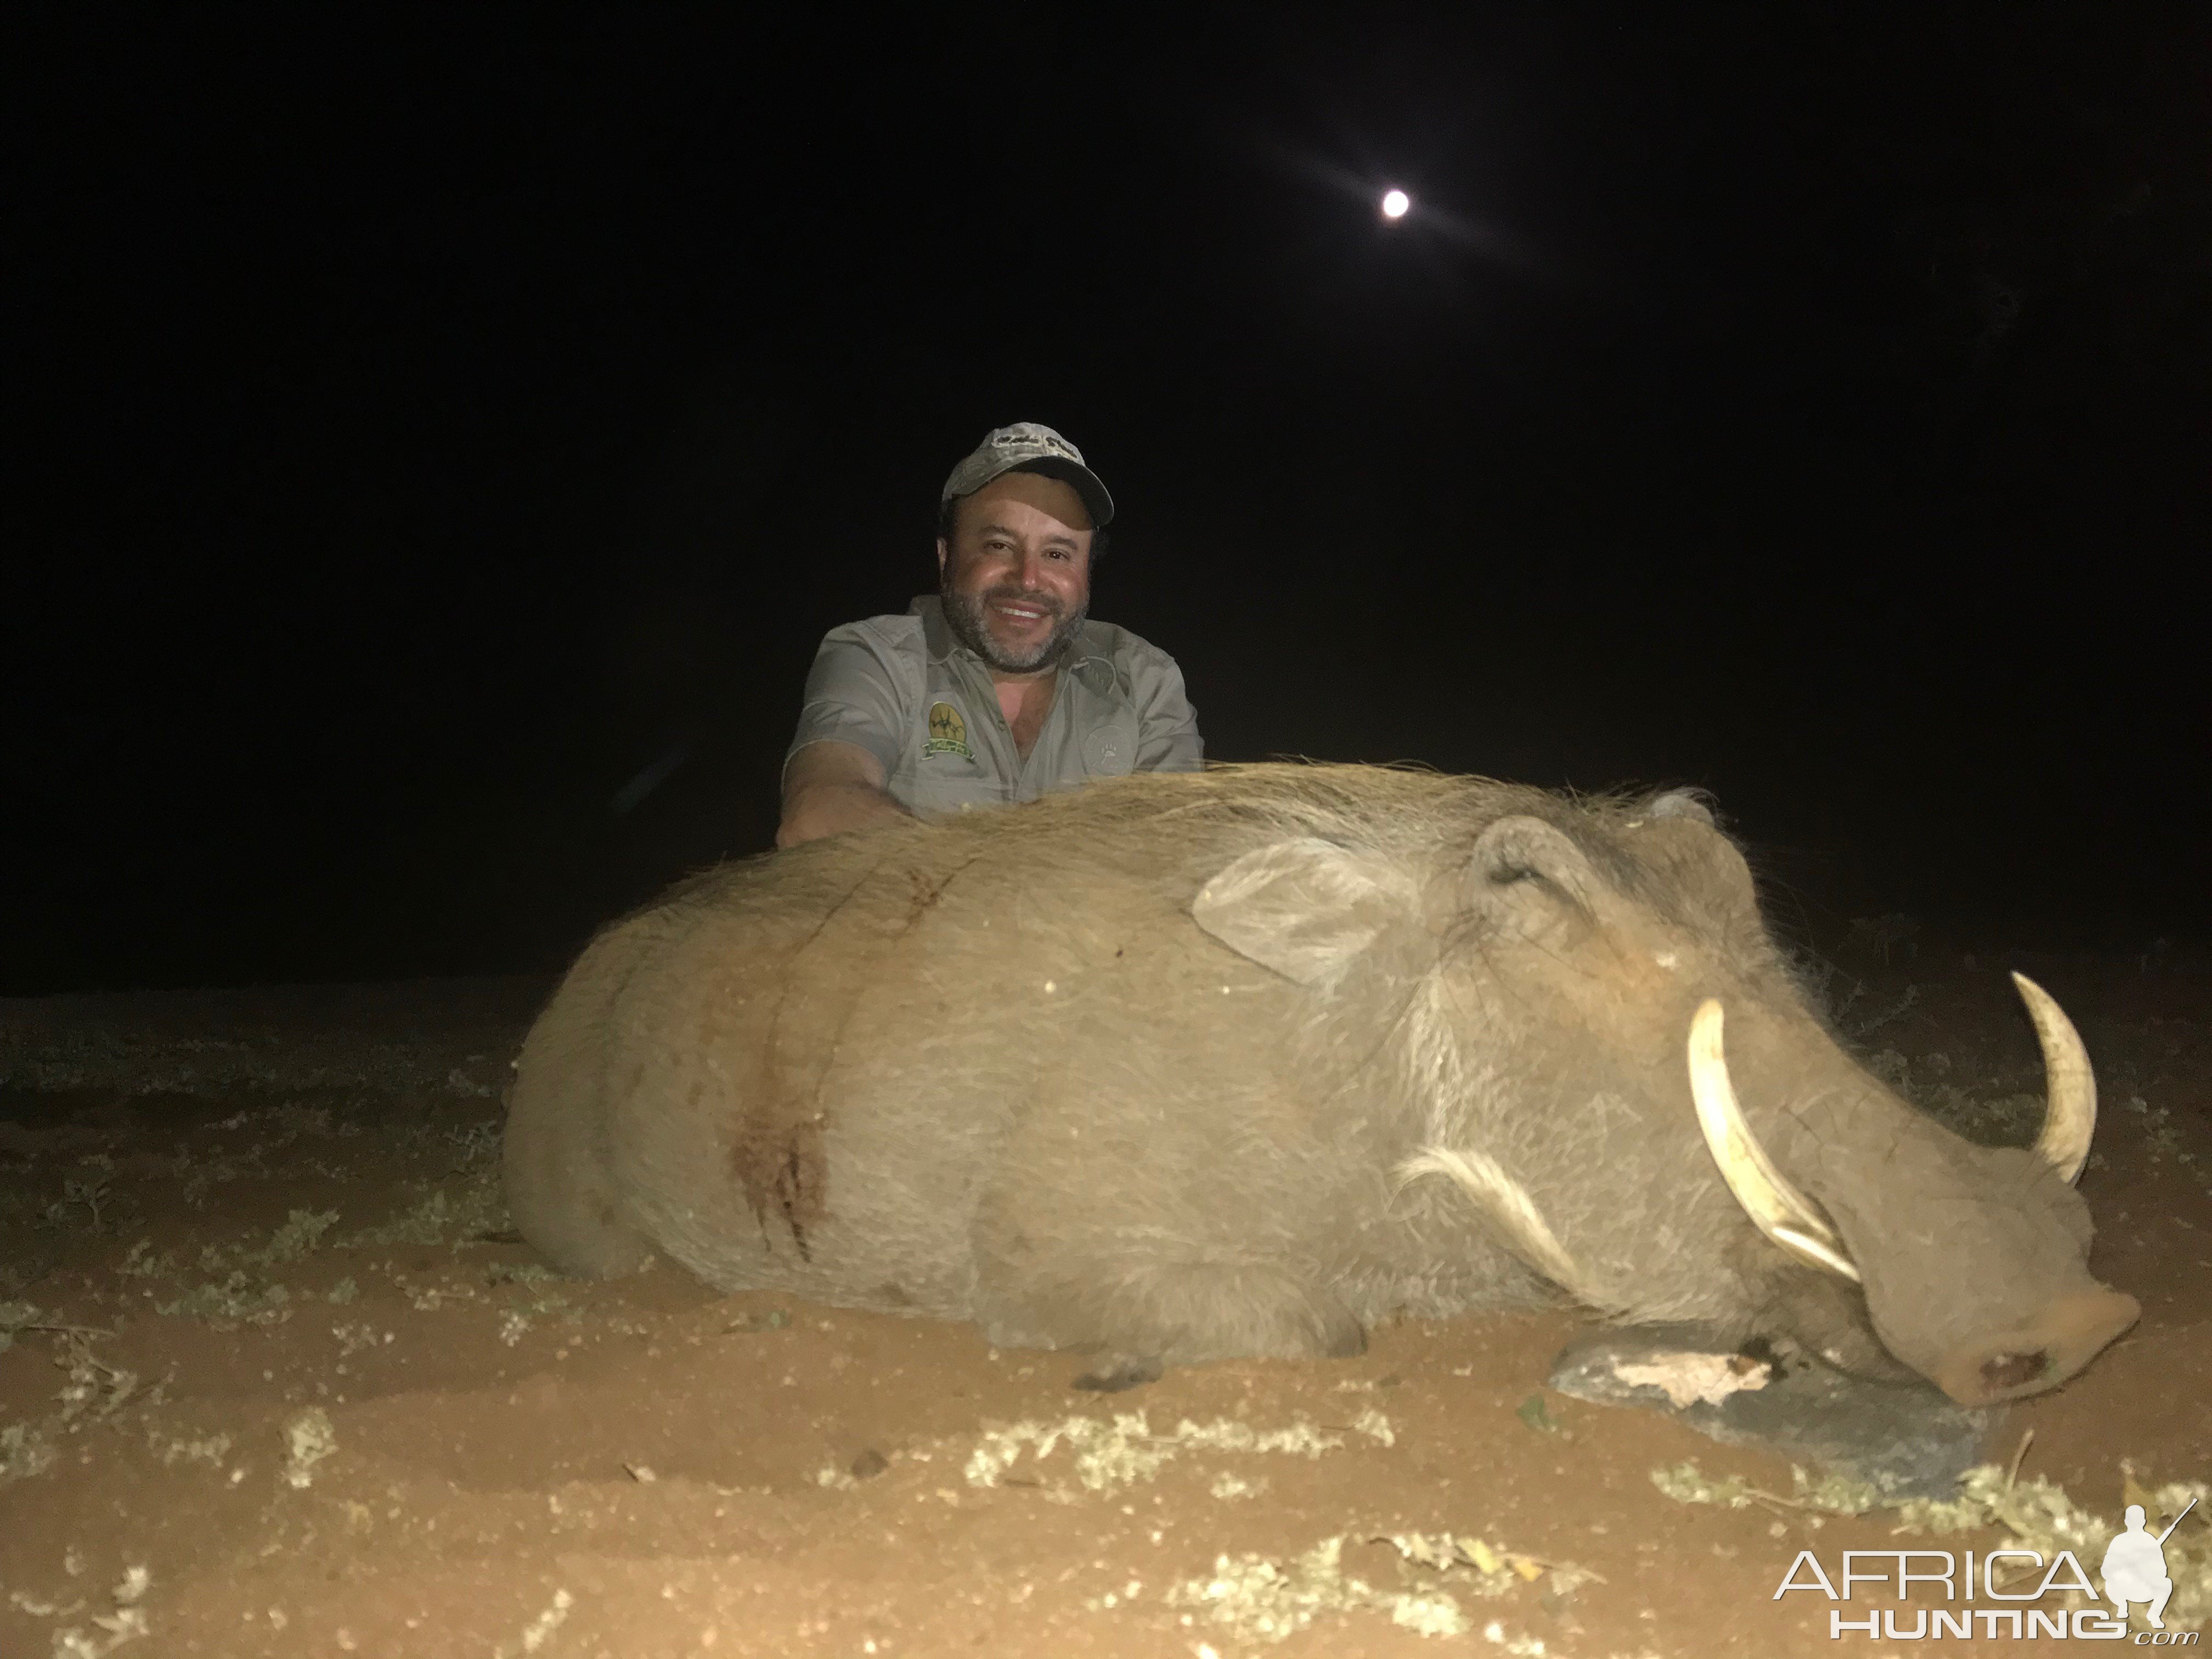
2012,1370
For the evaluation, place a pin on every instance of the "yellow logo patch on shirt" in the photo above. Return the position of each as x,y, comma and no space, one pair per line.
948,732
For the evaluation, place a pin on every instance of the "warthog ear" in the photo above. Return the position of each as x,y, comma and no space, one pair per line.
1304,907
1694,804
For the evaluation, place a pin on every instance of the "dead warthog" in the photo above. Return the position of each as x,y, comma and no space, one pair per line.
1161,1069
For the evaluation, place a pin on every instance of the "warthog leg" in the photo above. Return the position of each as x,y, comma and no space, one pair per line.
1150,1313
1115,1371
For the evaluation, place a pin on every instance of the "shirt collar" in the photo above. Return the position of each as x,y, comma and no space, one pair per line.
936,633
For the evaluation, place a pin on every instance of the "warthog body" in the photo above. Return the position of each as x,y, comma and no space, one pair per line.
1167,1068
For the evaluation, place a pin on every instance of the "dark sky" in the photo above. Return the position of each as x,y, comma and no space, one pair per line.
420,423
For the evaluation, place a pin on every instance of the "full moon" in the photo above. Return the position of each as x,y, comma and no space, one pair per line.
1394,205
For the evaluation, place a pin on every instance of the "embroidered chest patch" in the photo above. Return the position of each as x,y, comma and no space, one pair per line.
948,732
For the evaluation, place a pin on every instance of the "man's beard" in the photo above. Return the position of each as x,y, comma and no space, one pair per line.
964,613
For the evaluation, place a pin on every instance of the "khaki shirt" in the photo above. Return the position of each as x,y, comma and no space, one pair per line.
906,690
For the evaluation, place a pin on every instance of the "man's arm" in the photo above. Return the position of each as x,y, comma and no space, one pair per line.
850,728
831,787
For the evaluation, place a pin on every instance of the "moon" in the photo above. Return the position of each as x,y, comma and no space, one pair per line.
1395,204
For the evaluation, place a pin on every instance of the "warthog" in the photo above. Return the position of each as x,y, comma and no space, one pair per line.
1165,1069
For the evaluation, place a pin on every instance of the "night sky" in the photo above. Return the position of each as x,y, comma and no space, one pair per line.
421,423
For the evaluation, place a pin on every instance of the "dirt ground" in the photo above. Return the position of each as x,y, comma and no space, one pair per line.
271,1385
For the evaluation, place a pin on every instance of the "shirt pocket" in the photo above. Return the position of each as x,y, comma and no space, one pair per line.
939,784
1111,749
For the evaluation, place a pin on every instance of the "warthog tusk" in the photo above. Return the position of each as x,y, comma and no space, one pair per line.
2070,1118
1780,1210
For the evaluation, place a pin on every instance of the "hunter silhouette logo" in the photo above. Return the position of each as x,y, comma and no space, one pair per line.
948,732
2134,1568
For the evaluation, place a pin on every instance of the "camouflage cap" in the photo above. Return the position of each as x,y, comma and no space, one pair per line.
1034,448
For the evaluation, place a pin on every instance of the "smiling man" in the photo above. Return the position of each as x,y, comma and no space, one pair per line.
997,687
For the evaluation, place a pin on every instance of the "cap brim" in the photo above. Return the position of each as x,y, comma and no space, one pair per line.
970,477
1084,482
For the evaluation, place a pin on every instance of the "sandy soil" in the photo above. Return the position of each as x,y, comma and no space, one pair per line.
271,1384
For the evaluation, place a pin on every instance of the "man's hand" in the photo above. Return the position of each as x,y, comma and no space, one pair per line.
832,787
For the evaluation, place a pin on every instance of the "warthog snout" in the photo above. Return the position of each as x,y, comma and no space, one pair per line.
2039,1353
2008,1353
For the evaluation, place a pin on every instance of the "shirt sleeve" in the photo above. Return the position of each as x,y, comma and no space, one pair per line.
852,697
1167,735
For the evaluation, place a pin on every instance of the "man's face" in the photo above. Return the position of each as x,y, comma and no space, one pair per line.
1015,577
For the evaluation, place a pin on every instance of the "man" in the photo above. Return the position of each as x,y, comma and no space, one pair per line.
997,687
